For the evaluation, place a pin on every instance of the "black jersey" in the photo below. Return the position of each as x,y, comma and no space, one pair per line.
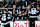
6,17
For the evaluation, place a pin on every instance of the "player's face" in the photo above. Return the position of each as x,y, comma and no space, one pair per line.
0,15
14,7
37,7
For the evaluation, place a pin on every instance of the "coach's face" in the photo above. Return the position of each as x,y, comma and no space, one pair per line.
14,7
